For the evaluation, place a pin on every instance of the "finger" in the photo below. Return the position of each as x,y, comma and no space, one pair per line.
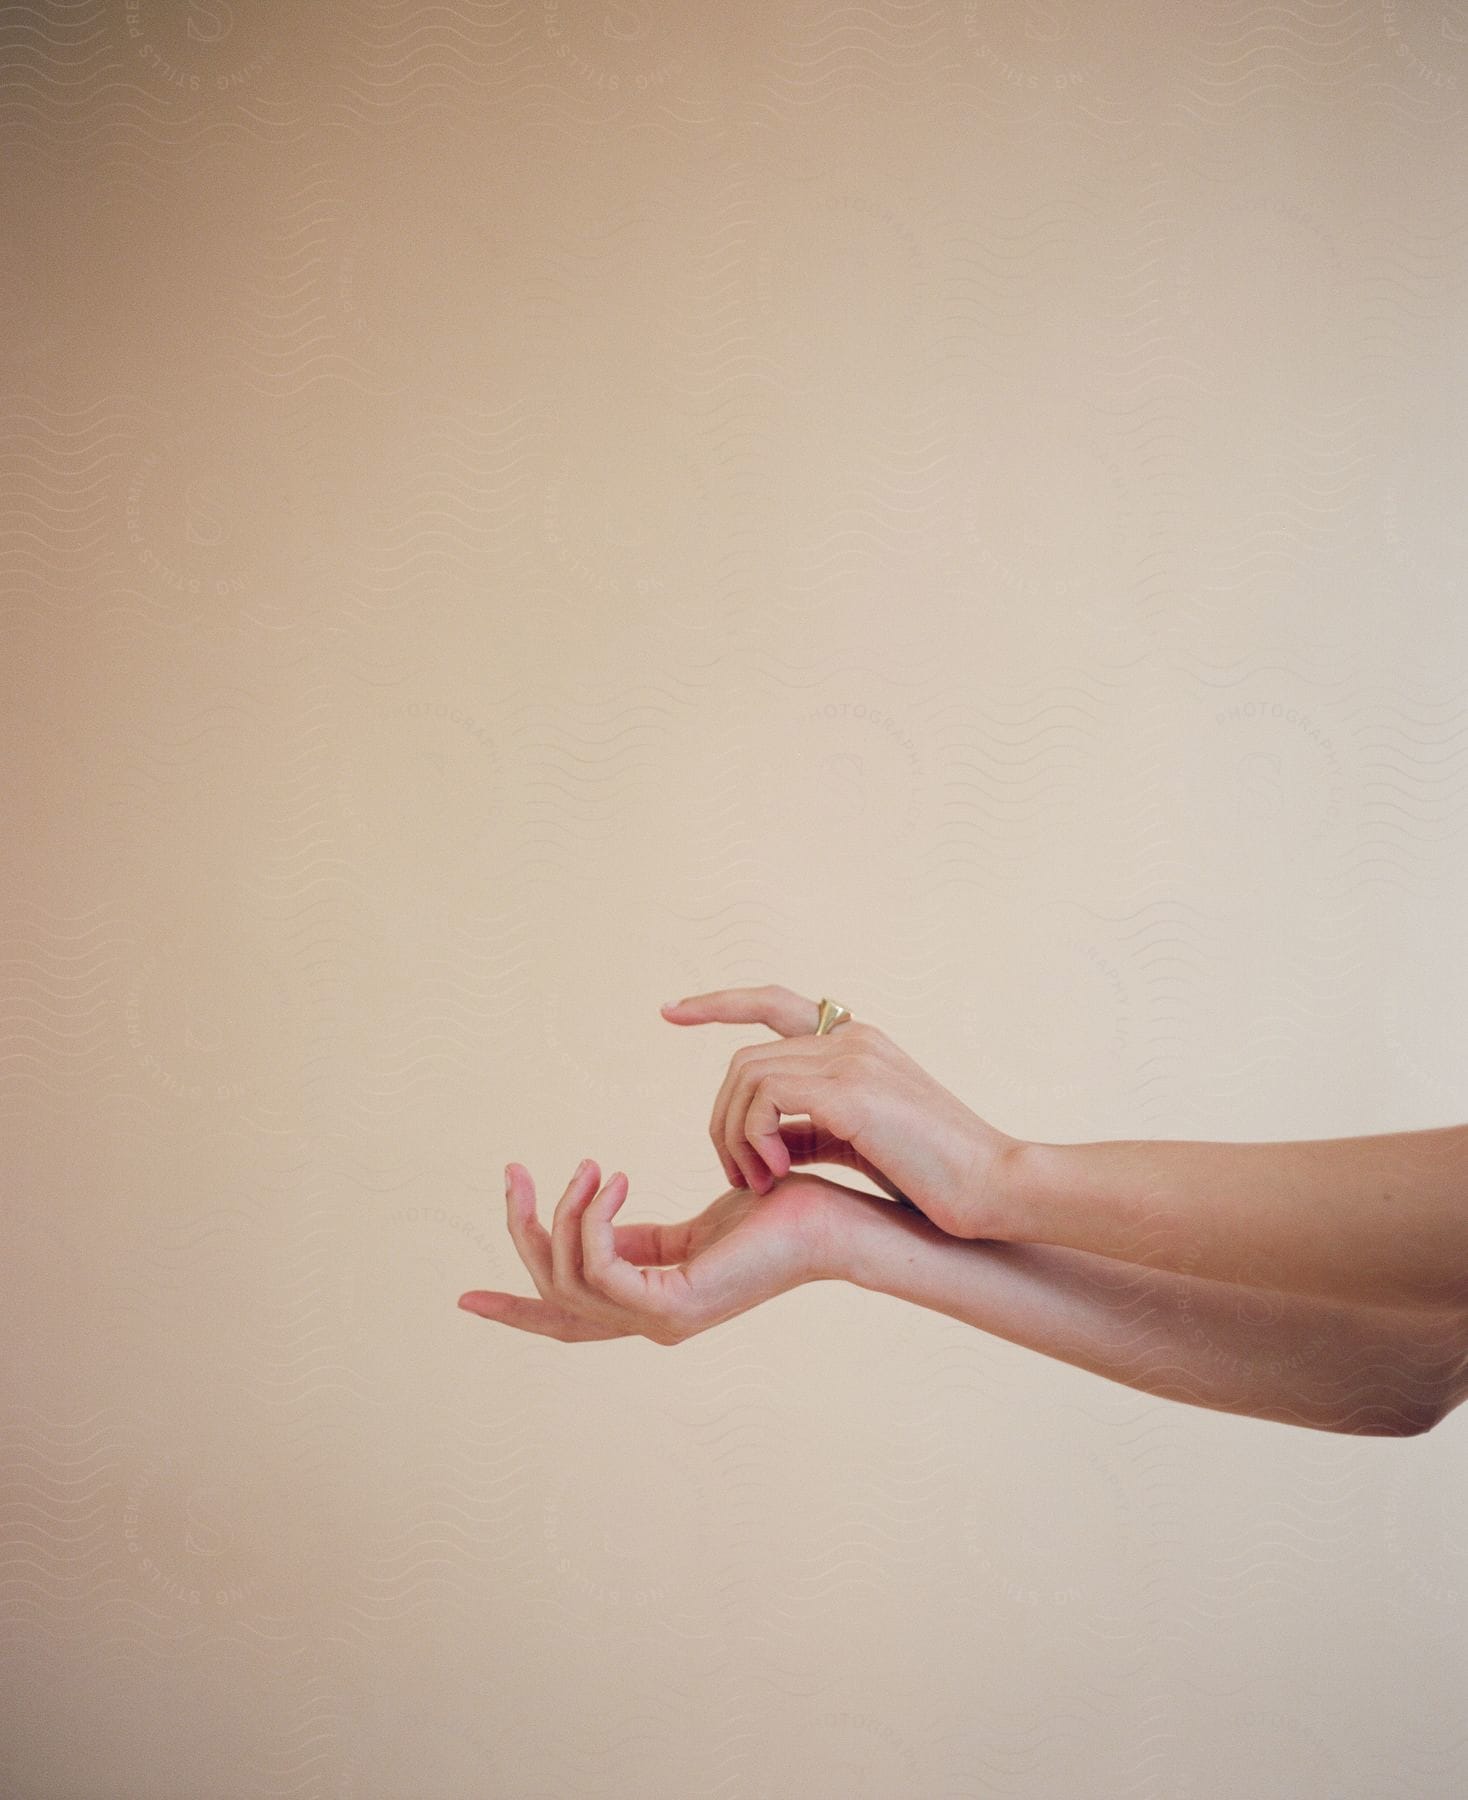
807,1142
650,1243
761,1122
543,1316
566,1230
529,1236
743,1168
648,1295
734,1172
762,1152
755,1115
788,1013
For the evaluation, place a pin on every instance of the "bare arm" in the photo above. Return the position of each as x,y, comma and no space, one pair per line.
1298,1359
1381,1220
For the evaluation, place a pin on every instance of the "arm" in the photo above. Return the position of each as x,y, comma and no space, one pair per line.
1300,1360
1377,1219
1382,1220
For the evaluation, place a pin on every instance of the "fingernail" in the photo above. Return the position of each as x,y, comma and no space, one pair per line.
670,1005
507,1181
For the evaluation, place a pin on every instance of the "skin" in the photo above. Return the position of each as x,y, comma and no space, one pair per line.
860,1089
1380,1220
597,1279
1317,1283
1299,1360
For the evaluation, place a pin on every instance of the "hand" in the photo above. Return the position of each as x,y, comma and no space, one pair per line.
865,1098
740,1250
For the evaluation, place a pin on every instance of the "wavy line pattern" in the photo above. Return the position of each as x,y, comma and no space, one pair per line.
513,512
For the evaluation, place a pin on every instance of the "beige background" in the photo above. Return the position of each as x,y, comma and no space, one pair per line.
518,512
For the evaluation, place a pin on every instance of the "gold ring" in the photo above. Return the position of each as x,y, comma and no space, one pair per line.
833,1013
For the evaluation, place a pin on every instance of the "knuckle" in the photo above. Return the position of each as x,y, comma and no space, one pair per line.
845,1111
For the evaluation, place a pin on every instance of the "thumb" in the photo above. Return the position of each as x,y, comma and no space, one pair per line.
808,1142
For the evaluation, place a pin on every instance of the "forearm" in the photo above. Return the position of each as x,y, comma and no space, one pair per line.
1292,1358
1380,1219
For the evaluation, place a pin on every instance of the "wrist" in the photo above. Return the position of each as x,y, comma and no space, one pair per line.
1028,1179
1063,1194
835,1224
998,1195
868,1240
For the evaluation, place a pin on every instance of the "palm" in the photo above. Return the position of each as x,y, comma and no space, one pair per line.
743,1248
665,1282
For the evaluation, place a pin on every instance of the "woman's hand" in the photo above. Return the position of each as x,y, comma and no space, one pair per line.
871,1108
742,1249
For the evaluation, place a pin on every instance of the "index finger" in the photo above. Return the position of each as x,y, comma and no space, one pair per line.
783,1011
